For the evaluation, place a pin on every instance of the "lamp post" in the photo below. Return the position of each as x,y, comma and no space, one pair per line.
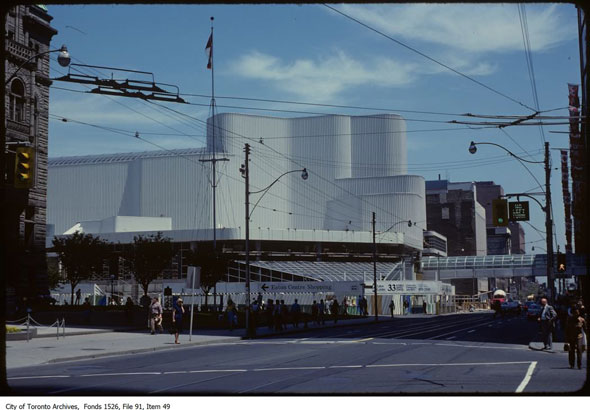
245,171
546,208
63,59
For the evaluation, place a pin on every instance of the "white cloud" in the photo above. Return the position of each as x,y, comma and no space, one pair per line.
467,27
322,79
326,77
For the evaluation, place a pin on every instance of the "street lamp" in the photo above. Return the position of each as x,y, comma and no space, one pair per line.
63,59
546,208
244,170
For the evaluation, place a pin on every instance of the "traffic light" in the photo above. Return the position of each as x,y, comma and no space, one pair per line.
561,264
24,168
500,212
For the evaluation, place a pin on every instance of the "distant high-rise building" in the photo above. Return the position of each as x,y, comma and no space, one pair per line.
517,238
452,210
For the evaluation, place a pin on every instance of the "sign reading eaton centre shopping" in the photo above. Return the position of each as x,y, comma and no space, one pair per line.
518,211
306,287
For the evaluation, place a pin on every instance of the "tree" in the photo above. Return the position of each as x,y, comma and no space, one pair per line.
213,267
148,257
81,256
53,274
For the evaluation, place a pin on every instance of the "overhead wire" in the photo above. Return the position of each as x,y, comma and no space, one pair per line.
428,57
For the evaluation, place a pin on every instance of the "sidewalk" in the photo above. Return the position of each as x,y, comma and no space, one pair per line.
88,343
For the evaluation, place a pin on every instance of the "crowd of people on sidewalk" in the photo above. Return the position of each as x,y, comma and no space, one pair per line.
276,314
571,317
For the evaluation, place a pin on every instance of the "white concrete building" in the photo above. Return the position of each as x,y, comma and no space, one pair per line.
356,164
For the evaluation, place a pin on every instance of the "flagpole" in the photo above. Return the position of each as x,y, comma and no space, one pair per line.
213,160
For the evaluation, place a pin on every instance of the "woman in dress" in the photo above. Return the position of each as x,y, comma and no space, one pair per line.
177,319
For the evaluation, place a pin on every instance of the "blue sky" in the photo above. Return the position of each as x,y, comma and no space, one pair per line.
309,53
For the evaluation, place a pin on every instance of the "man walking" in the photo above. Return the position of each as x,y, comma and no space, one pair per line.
321,311
156,316
391,307
547,321
295,311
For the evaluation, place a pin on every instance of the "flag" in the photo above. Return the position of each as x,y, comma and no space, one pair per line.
209,51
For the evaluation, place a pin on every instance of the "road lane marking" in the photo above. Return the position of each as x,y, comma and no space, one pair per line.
472,330
451,338
527,378
454,331
481,347
37,377
382,343
218,371
121,374
444,364
520,388
363,340
290,368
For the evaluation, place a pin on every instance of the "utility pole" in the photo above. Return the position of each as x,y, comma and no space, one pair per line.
375,305
549,223
247,246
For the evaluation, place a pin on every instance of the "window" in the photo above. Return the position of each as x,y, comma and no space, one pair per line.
17,101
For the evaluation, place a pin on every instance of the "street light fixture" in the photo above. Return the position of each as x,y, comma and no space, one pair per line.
546,208
63,59
244,170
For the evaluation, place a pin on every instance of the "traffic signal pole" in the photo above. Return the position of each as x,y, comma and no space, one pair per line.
549,224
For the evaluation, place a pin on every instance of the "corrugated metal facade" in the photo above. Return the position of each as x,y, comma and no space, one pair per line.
356,166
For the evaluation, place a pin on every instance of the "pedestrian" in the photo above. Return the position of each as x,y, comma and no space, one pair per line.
345,306
315,313
156,316
78,296
497,306
277,317
359,306
284,313
129,310
574,333
177,314
424,306
321,311
406,306
295,312
230,310
270,309
335,309
254,317
391,307
365,307
547,321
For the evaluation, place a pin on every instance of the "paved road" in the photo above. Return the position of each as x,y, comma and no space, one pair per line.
465,353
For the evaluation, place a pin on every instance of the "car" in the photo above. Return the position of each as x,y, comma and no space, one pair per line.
511,306
528,303
533,311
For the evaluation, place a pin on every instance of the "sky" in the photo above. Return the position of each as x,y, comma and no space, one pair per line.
394,58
